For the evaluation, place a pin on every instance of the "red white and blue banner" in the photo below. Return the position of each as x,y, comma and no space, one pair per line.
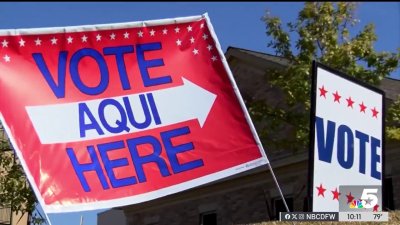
109,115
347,137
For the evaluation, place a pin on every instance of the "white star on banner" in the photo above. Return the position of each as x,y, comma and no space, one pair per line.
152,32
5,43
189,28
140,34
195,51
178,42
177,29
70,39
38,42
192,40
54,41
112,36
202,25
165,31
21,42
7,58
84,38
126,35
205,36
209,47
214,58
98,37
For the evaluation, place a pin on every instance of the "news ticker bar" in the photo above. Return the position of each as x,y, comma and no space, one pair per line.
364,216
335,216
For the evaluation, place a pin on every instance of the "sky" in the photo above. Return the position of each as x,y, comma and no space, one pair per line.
236,24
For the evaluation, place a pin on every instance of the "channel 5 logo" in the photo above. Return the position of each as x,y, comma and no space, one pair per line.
354,198
368,199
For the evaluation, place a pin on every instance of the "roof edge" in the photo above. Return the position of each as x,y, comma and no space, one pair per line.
263,53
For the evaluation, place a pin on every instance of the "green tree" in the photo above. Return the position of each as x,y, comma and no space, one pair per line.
322,32
15,191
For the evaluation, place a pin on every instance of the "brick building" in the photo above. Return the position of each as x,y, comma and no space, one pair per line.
252,196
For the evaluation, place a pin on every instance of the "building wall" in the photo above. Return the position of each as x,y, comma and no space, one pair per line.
392,170
5,215
246,199
249,197
396,187
111,217
19,219
229,207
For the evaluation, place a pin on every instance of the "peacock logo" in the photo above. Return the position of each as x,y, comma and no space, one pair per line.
356,204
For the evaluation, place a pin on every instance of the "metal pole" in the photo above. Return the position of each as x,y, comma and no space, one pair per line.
279,188
47,218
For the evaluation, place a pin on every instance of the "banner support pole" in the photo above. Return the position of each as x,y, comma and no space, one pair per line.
279,188
277,185
44,212
47,218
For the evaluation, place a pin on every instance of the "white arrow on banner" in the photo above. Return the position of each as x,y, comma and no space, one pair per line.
60,123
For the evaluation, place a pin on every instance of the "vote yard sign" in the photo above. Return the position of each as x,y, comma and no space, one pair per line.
347,138
108,115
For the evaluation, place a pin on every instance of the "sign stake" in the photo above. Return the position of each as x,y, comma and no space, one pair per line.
277,186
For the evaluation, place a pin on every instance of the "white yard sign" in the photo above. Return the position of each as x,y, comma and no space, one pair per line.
348,137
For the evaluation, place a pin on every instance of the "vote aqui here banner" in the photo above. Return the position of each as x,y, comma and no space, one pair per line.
109,115
347,140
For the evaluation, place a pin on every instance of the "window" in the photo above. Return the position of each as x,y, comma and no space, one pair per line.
388,194
5,215
208,218
151,220
280,207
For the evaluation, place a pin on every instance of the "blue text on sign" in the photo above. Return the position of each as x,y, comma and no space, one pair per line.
138,160
345,137
118,52
88,122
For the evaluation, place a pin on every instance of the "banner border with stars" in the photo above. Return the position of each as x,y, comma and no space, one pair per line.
263,160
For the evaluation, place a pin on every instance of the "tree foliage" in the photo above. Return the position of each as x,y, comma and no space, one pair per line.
15,191
322,33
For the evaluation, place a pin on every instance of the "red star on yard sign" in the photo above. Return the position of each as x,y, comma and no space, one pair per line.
374,112
350,198
321,190
350,102
337,97
322,91
362,107
335,194
376,207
